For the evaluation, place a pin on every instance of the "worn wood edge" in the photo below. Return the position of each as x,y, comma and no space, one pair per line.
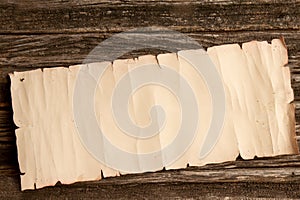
58,3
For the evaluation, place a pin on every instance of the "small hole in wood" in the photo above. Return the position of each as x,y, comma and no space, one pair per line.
293,173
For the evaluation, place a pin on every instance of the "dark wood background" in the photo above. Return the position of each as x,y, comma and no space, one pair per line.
61,33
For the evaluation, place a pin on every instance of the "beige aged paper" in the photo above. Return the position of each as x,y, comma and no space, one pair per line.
259,118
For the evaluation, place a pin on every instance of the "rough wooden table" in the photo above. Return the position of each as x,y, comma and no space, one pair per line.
61,33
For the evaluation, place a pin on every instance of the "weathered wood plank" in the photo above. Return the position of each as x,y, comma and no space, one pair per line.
18,52
186,16
170,190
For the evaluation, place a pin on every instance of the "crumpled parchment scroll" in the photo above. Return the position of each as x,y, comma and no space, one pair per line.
259,118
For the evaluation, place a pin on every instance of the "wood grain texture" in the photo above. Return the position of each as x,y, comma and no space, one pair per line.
61,33
22,51
186,16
